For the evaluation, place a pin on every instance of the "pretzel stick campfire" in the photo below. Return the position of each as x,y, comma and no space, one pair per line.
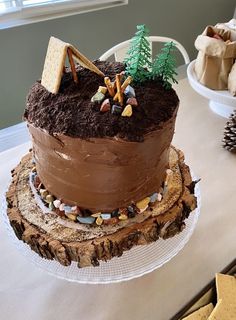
125,84
118,87
109,86
114,85
72,64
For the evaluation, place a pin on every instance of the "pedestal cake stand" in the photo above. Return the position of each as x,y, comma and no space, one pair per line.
220,101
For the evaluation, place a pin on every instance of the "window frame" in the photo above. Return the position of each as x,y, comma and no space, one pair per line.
52,10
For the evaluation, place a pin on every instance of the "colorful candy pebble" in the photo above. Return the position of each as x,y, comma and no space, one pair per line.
43,193
143,203
114,213
106,216
61,207
49,198
127,112
51,206
97,214
33,175
77,211
102,89
123,211
59,213
131,214
99,221
129,92
130,209
71,216
154,197
86,220
57,203
116,109
133,101
106,106
98,97
67,209
123,217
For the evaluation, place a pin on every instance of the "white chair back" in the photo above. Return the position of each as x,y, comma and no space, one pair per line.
120,50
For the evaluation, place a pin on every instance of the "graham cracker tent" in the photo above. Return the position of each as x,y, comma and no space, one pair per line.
55,63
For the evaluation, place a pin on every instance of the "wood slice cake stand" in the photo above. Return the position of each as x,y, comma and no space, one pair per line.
54,238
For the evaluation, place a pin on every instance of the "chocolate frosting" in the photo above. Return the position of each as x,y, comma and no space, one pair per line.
102,174
100,161
72,113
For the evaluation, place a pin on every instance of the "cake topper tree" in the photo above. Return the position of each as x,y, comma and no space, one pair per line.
138,59
164,65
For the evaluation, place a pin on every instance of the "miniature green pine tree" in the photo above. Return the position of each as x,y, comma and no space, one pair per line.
138,60
164,65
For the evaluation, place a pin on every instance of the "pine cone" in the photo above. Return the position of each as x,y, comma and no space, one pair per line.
229,140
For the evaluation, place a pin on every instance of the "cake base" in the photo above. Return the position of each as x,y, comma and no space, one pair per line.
53,238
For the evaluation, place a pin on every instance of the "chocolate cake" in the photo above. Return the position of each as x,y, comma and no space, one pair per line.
101,161
101,177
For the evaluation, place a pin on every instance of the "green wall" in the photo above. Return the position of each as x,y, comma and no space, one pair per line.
22,49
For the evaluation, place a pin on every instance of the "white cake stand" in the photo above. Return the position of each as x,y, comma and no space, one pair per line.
221,101
134,263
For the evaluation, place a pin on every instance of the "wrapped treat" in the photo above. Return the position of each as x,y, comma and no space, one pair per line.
231,26
215,58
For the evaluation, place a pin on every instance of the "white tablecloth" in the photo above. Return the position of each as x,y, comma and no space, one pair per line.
27,292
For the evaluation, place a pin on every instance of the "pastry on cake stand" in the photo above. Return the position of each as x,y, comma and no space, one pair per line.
220,101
